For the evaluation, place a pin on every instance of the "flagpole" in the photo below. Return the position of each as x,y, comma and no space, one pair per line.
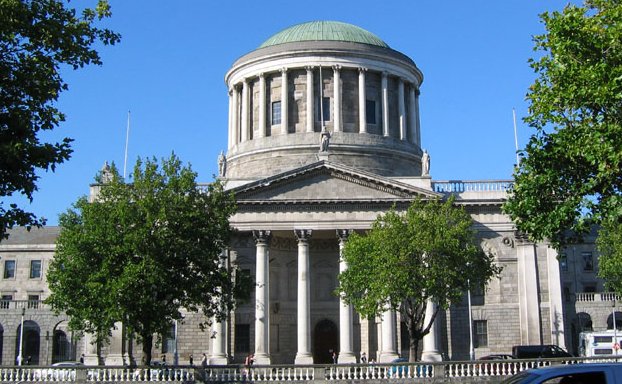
515,137
127,139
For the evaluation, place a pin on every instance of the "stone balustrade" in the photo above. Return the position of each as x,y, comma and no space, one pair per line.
459,186
455,371
607,297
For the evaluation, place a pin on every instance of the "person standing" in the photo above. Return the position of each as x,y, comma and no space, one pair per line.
191,359
204,360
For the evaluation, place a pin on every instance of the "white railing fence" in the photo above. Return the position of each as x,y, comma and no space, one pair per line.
454,370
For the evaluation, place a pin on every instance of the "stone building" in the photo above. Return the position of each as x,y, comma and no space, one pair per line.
323,136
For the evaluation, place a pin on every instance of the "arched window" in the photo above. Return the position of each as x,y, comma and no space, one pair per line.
584,322
31,345
61,347
618,316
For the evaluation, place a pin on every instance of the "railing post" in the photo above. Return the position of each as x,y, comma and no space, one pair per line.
80,376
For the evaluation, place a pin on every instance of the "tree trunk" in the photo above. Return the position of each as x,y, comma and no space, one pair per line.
147,342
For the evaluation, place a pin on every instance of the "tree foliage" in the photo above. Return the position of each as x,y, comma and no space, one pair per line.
569,178
142,251
38,38
427,253
609,243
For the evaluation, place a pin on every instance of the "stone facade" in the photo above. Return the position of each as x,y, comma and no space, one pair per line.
296,206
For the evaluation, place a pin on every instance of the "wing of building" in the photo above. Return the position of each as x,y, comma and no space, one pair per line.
324,136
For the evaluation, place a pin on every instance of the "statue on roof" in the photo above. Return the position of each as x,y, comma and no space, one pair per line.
222,164
425,163
324,140
106,173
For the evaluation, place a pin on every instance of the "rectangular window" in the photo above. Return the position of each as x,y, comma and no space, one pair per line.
33,301
588,261
325,109
9,269
481,333
35,269
242,338
168,340
370,111
5,302
563,262
276,112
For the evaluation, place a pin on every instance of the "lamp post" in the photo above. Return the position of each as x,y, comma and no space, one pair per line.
175,354
471,349
20,357
615,327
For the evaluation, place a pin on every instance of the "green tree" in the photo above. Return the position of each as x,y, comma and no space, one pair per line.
609,243
427,253
569,178
38,38
141,251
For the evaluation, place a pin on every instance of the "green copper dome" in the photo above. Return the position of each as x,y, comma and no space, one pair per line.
324,31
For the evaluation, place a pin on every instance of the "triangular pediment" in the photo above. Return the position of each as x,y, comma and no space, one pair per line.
326,181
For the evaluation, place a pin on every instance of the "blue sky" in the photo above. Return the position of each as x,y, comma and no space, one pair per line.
169,68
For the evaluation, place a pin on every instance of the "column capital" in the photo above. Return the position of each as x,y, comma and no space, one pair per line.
385,74
283,70
261,236
362,69
343,234
417,92
336,67
303,235
261,75
309,68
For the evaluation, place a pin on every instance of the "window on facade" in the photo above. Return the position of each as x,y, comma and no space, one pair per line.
33,301
480,327
370,111
242,338
35,269
567,294
588,261
9,269
245,284
276,112
5,302
563,262
325,110
168,340
589,288
478,294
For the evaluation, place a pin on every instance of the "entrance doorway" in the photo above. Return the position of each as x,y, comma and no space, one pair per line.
325,342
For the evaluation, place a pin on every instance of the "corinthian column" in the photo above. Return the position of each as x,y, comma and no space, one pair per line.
235,115
401,108
262,106
309,99
346,355
230,125
385,103
430,351
412,115
418,121
284,93
337,97
262,299
218,355
244,114
362,102
303,355
388,349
